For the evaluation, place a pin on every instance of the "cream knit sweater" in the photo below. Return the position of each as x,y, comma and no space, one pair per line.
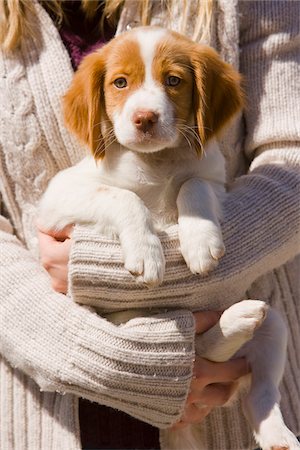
53,350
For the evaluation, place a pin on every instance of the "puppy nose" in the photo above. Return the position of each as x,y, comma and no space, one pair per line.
144,120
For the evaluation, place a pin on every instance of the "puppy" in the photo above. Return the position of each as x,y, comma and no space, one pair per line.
150,105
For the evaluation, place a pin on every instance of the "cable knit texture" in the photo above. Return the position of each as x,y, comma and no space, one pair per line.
54,350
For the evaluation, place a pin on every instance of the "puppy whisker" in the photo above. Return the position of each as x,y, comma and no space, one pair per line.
185,129
186,138
102,122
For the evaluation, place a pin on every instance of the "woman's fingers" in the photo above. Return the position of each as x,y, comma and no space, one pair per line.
192,414
58,235
208,372
53,251
213,395
195,414
54,256
204,320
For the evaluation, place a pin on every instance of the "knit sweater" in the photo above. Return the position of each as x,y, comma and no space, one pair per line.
54,350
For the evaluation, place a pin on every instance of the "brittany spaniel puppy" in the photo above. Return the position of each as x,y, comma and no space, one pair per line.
150,105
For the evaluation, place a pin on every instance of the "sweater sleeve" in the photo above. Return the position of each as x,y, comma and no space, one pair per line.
143,368
261,211
269,62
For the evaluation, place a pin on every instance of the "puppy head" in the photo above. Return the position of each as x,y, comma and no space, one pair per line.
151,89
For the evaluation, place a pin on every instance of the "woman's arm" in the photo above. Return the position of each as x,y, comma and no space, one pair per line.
143,368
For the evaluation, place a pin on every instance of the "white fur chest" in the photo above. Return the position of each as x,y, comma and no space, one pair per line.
157,177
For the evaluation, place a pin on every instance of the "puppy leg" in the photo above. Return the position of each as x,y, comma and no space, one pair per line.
235,327
264,336
200,234
76,195
266,353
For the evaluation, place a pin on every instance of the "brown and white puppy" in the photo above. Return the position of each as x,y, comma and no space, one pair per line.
150,105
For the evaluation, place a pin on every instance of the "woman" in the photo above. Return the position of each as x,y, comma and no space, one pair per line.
66,348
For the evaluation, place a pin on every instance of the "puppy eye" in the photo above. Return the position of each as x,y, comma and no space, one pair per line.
172,81
120,83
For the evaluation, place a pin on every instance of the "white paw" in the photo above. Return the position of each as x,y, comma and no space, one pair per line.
279,438
201,246
144,259
243,318
234,329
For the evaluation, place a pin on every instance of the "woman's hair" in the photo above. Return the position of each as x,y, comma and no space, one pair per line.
15,22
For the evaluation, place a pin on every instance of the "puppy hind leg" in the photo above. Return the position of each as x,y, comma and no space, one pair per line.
266,354
235,327
265,417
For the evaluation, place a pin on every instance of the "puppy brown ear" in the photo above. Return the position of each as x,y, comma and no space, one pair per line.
218,93
82,103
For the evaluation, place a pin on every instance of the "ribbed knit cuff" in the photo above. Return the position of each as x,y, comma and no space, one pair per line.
143,367
97,276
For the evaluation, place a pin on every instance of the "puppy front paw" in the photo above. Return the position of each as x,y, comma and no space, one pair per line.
201,246
144,259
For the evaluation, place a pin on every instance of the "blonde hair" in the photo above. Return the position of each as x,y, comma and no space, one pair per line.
15,22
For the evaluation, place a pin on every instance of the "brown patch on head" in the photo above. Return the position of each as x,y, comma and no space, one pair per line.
124,61
92,97
209,89
172,59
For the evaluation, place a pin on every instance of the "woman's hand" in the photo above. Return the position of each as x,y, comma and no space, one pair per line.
213,383
55,249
